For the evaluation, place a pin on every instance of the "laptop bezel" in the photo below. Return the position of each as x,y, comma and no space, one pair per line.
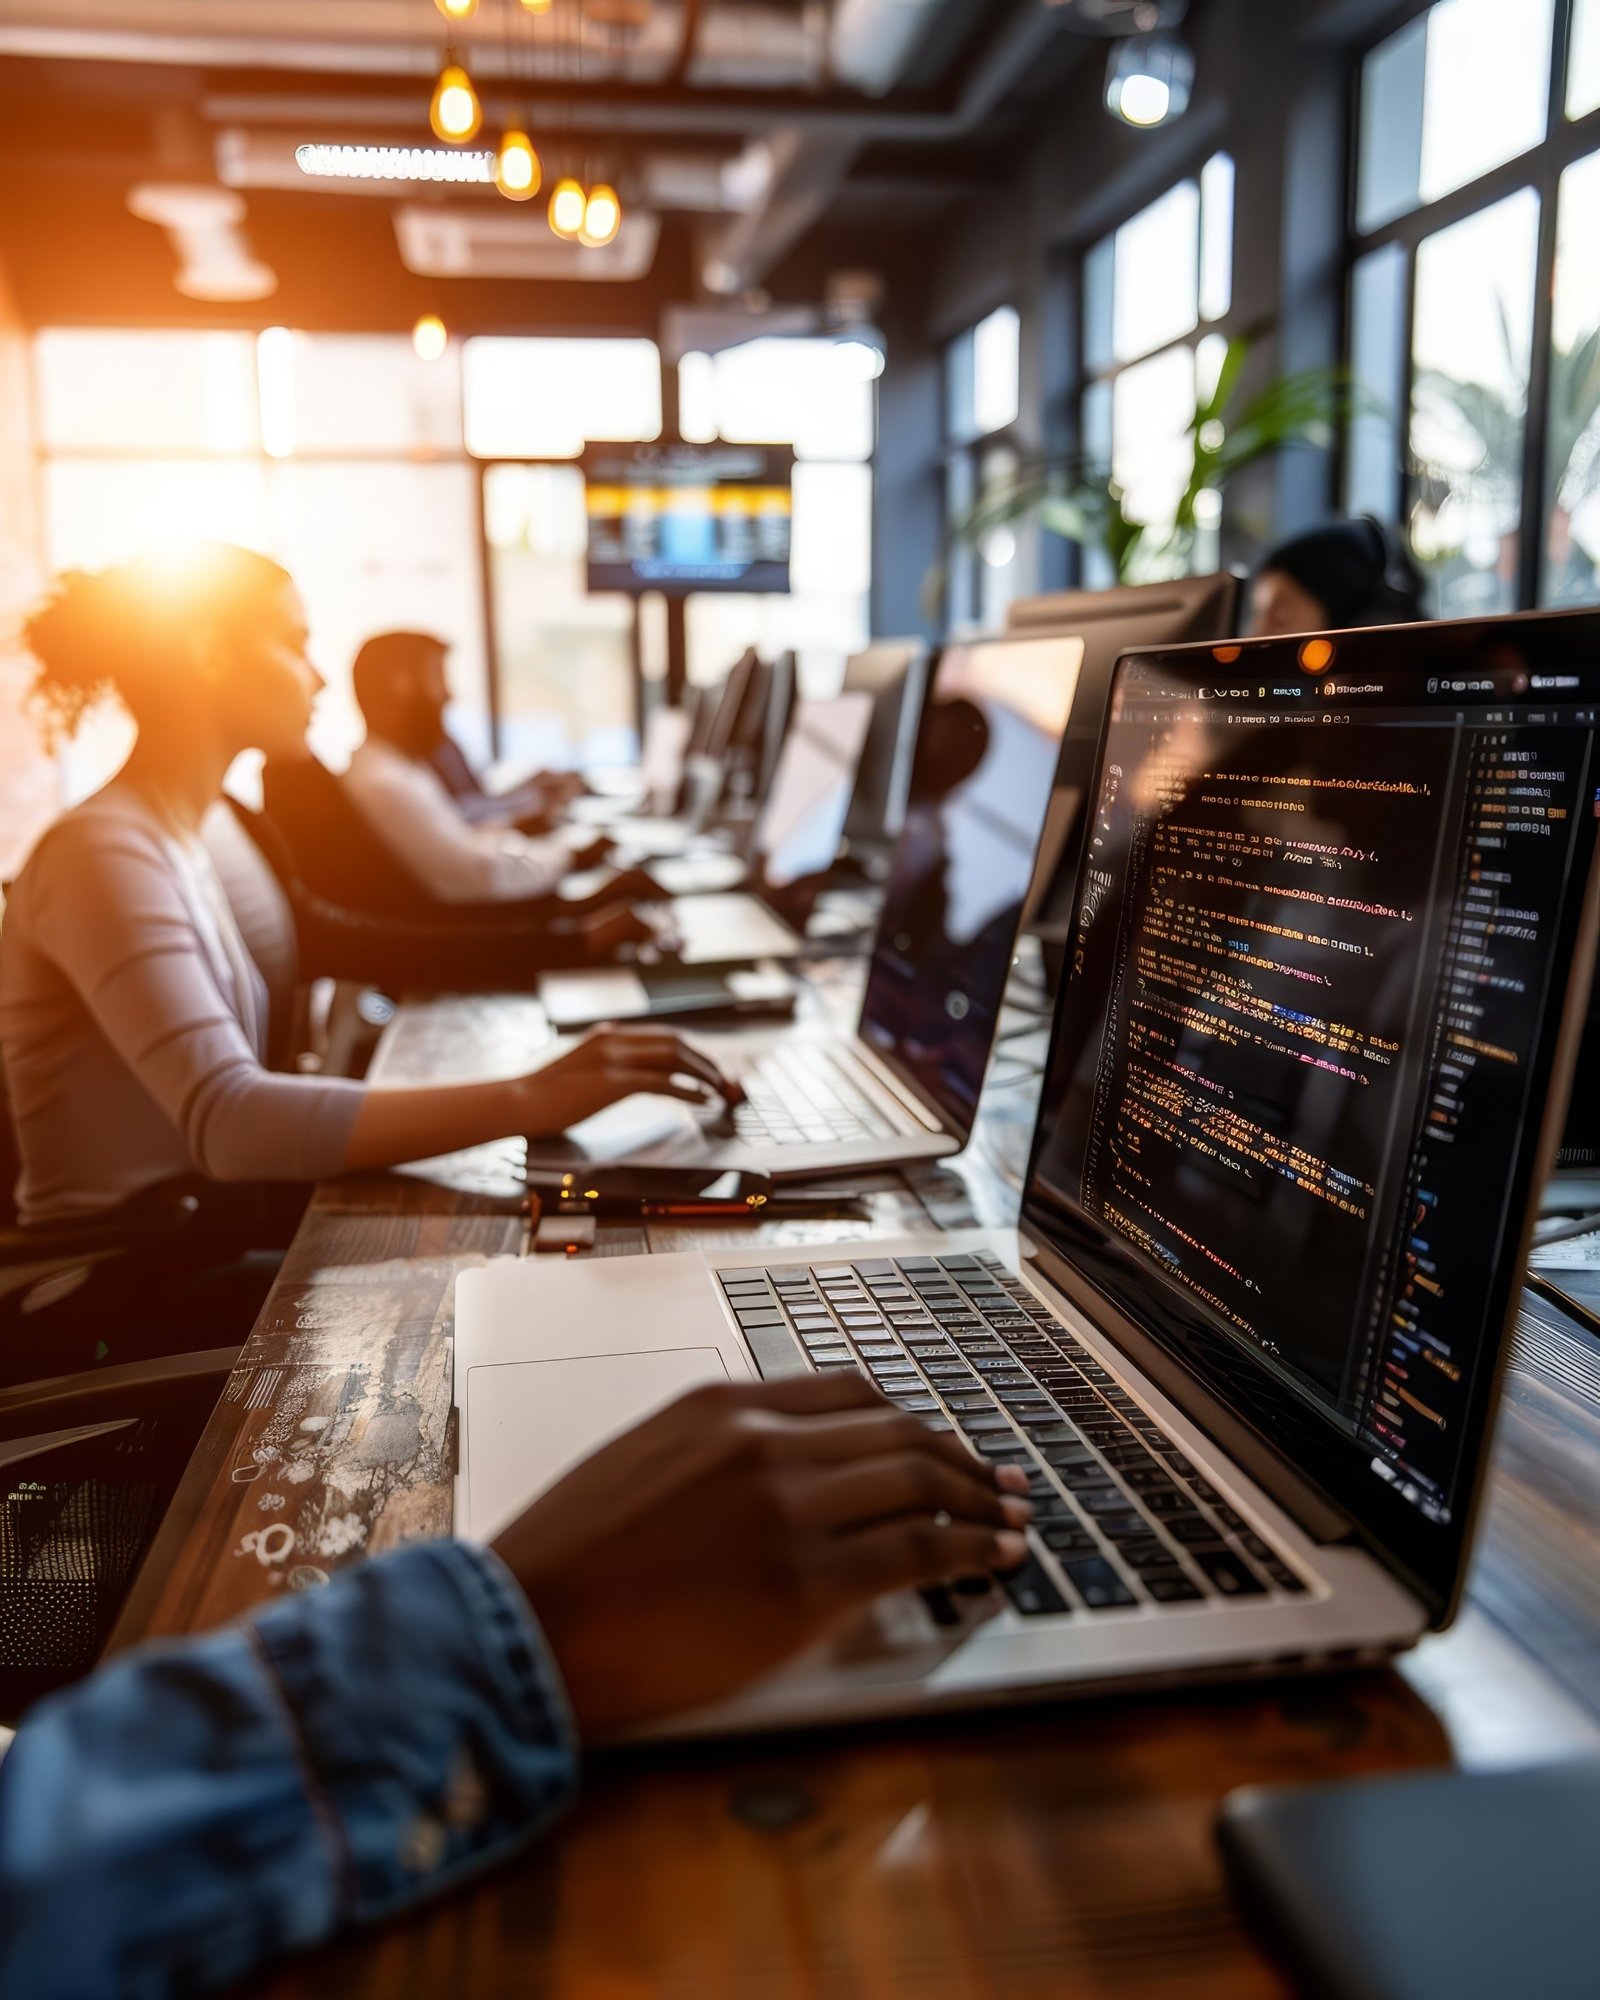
1430,1560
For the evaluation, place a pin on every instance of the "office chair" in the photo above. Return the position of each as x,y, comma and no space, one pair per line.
88,1461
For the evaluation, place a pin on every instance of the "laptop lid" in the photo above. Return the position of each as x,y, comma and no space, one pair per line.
1316,1014
802,821
894,672
1135,617
987,750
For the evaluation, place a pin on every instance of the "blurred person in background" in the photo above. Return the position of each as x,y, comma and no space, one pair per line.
136,1023
1349,574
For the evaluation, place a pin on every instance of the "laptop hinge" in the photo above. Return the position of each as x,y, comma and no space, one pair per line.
1315,1513
902,1092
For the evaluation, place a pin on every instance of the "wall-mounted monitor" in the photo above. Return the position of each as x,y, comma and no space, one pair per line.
689,517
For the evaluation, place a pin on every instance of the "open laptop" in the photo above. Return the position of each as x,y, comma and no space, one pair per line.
894,672
1134,617
905,1085
1331,951
796,837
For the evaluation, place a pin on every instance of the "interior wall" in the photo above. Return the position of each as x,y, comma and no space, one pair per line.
28,782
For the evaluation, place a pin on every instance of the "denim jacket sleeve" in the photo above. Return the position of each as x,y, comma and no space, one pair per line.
196,1808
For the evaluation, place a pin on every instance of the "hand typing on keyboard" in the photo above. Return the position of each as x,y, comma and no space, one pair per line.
615,1063
723,1535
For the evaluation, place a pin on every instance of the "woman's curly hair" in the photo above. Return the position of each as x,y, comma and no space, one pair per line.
121,630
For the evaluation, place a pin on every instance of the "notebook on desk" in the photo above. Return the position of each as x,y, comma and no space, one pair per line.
1333,931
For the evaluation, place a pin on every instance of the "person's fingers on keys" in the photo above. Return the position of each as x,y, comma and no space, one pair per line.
908,1554
905,1485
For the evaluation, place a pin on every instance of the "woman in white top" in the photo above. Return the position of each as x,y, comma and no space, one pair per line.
133,1024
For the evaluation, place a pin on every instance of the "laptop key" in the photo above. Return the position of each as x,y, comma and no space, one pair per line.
1032,1593
1284,1577
1098,1584
1231,1574
1067,1538
1171,1587
978,1423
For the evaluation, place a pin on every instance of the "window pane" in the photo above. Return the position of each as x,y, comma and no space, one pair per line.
175,392
547,398
1572,549
99,511
1216,237
1157,282
1099,307
1452,95
382,548
832,553
996,370
960,423
565,657
1377,362
697,399
1151,456
817,395
357,392
1583,72
1471,347
822,632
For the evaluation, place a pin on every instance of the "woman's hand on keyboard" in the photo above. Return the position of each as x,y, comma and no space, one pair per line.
616,1063
702,1549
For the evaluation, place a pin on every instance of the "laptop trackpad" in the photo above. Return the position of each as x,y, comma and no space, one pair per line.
531,1421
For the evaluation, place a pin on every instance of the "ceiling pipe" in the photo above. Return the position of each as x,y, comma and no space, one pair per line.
810,167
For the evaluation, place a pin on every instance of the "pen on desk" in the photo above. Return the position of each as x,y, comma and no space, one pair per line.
791,1210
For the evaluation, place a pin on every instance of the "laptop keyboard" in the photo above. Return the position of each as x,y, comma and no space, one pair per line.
1122,1518
805,1095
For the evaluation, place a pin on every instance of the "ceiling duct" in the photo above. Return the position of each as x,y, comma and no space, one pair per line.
457,241
871,42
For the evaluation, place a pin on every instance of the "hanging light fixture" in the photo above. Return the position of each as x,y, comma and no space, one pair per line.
568,207
1149,80
455,113
457,10
602,217
517,172
536,6
430,337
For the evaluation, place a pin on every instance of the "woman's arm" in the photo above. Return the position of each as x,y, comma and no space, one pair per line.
396,1124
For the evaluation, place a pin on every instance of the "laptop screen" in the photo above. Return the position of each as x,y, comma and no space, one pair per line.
802,821
1320,948
986,758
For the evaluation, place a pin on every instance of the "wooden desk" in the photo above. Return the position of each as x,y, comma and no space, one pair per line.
1063,1852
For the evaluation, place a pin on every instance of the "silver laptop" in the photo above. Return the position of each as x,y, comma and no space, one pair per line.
1307,1066
905,1085
728,948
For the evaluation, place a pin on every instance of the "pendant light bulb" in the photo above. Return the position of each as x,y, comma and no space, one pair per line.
536,6
517,172
568,206
429,337
457,10
455,113
602,217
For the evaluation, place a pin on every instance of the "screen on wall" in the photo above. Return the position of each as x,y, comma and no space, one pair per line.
689,517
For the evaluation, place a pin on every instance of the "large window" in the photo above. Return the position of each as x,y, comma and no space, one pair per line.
820,396
982,396
1475,300
353,462
1151,291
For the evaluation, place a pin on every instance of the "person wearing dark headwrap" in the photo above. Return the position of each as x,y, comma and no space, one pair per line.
1350,573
